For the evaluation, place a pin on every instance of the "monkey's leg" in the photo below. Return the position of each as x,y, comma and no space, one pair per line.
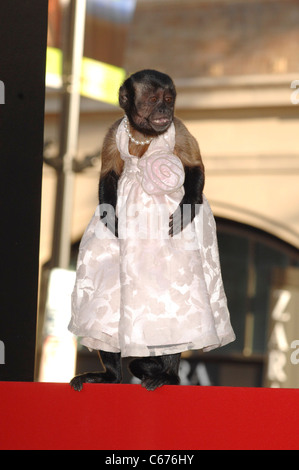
157,371
112,375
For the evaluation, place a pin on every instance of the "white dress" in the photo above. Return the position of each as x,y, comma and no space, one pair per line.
145,293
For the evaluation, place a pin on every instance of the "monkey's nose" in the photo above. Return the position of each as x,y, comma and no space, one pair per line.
161,109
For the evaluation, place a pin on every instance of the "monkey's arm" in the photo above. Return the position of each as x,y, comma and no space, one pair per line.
111,170
188,208
188,151
108,201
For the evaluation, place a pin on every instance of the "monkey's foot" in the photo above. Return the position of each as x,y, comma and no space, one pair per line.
92,378
152,383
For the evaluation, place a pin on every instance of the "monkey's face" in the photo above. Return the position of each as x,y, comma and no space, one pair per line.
154,109
148,98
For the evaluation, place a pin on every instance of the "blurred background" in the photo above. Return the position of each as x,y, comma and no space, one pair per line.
236,68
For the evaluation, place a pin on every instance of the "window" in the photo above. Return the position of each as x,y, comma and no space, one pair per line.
249,258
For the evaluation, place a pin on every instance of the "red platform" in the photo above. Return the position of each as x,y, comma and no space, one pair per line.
127,417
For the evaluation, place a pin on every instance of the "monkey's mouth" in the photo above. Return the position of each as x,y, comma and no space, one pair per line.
160,123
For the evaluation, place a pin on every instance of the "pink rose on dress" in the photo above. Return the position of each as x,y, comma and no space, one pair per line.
161,173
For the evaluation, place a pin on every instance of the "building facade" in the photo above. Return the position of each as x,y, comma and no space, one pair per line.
236,69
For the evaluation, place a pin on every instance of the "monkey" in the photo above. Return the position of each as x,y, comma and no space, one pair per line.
148,100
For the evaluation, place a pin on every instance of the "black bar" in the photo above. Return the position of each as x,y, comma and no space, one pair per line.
23,40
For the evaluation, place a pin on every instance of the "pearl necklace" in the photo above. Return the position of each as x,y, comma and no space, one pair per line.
137,142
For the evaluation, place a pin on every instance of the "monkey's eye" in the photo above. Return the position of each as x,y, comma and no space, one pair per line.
153,99
168,99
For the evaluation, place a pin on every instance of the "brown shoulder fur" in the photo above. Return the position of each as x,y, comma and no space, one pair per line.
110,156
186,148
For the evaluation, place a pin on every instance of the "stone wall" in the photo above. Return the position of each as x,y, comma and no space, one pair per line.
196,38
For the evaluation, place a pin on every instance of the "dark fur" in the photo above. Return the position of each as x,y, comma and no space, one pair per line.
108,196
112,372
148,99
153,372
194,180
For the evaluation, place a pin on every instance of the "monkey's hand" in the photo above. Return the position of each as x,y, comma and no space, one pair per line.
108,201
188,208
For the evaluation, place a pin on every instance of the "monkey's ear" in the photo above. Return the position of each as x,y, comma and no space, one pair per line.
123,97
